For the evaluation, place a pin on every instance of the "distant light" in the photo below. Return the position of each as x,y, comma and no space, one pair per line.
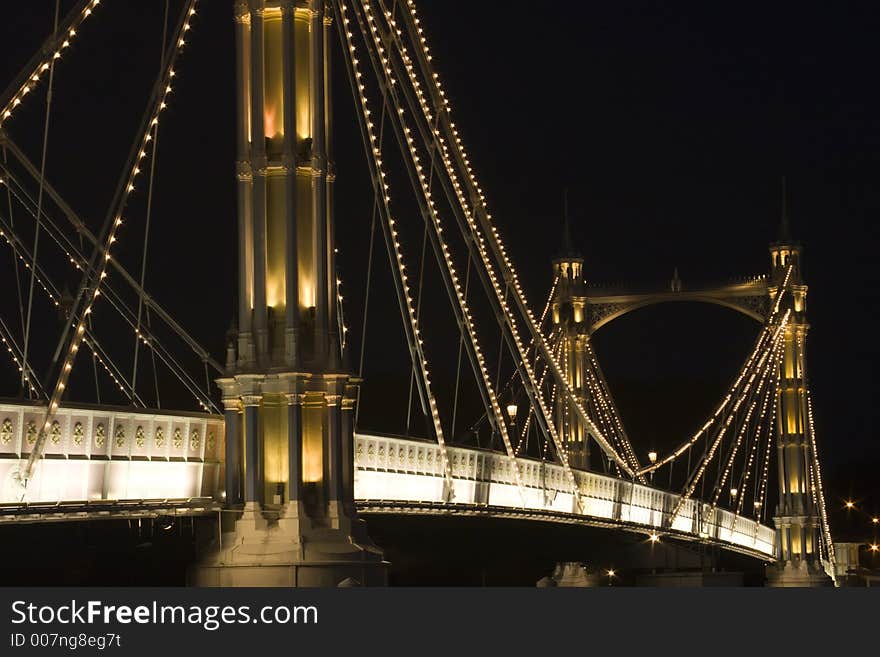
654,538
850,504
652,457
875,520
610,573
874,547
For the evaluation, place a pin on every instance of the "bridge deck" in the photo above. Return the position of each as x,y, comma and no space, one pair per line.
103,462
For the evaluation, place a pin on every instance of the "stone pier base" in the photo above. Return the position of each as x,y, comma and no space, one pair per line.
284,552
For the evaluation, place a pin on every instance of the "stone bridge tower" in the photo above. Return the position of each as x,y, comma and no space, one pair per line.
289,400
797,518
569,318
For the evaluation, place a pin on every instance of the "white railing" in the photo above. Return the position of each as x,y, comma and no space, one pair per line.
110,454
404,470
101,454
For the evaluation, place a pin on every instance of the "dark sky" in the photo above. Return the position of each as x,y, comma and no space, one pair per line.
670,123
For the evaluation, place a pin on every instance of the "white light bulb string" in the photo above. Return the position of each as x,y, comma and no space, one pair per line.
90,289
54,297
710,454
49,53
386,71
493,241
392,238
477,240
80,262
766,332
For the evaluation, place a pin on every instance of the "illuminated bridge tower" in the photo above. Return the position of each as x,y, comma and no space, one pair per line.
797,516
289,401
569,318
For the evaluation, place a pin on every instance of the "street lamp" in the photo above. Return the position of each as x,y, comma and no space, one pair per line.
610,573
652,457
512,408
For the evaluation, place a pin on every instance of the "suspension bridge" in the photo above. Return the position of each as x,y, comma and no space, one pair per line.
281,450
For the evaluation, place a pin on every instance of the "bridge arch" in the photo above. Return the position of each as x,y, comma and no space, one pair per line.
626,307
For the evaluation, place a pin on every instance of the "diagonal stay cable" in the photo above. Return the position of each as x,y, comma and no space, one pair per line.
43,157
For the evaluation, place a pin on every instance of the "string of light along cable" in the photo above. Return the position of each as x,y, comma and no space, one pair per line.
531,411
815,459
606,411
607,401
711,452
443,110
769,393
52,50
478,240
79,262
77,259
526,424
15,354
392,237
511,278
429,211
91,292
768,450
762,384
709,456
365,17
54,296
760,343
407,145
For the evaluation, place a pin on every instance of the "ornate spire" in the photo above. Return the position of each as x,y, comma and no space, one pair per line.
567,243
675,283
784,236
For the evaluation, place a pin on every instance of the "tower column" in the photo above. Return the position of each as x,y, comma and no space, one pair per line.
319,188
348,455
294,428
259,165
253,479
294,447
233,451
244,177
330,176
333,458
797,551
291,309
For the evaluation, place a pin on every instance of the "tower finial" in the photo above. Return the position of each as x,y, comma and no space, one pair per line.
567,243
566,224
784,226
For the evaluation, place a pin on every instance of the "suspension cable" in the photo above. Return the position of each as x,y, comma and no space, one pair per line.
84,232
150,186
12,224
478,219
118,303
90,286
373,150
46,123
27,79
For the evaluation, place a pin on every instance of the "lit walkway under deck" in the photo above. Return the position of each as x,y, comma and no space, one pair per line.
108,462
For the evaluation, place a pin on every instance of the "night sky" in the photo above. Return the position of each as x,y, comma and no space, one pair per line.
670,124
